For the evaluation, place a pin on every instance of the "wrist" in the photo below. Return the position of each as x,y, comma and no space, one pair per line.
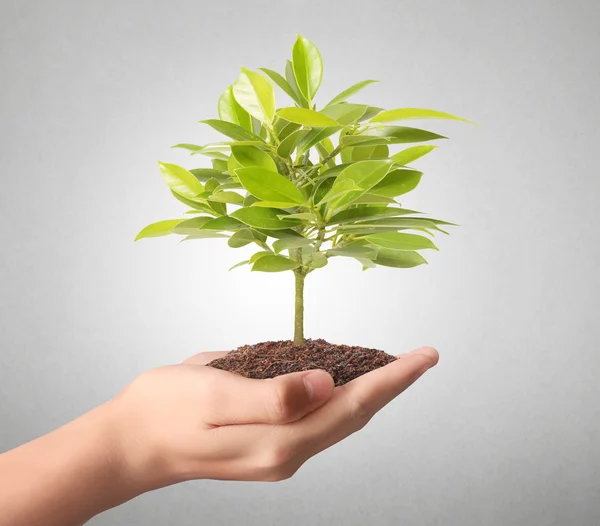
99,460
140,462
67,476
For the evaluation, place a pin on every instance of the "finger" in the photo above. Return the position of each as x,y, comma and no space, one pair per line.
428,351
355,403
284,399
372,391
202,358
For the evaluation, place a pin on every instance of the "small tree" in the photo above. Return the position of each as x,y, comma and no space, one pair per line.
283,184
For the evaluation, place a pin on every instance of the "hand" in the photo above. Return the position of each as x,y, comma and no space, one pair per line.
190,421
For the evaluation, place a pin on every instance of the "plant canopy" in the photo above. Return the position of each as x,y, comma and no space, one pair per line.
305,184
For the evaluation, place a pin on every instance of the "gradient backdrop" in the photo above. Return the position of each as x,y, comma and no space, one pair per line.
505,431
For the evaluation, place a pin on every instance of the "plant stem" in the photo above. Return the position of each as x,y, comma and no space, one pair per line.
337,150
299,308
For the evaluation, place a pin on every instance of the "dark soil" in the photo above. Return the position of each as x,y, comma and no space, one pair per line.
270,359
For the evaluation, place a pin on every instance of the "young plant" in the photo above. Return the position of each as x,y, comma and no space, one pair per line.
283,183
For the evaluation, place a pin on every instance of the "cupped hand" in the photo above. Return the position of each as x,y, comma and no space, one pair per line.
190,421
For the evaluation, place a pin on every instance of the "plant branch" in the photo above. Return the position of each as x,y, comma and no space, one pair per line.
332,155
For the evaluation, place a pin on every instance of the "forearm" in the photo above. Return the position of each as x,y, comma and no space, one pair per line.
67,476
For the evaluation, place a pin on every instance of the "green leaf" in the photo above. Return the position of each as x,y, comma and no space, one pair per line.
291,79
264,218
440,222
224,146
393,223
345,113
370,112
318,260
290,242
219,146
362,139
353,251
223,223
306,253
394,135
289,144
342,190
257,255
374,199
283,84
211,185
197,205
388,225
397,182
256,95
308,67
189,147
204,174
191,226
271,263
360,234
284,128
259,129
279,234
400,241
241,238
247,156
220,164
361,153
399,258
229,186
312,258
269,186
232,166
346,151
249,200
275,204
414,113
304,216
333,171
306,117
366,263
362,174
204,235
180,180
240,264
227,197
315,136
350,91
232,130
367,213
322,190
193,212
161,228
231,111
219,208
213,153
411,154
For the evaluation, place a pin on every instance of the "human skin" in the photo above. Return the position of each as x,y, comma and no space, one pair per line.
189,421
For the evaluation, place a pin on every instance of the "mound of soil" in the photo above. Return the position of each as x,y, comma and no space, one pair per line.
270,359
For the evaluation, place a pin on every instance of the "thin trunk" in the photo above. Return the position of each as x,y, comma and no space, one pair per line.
299,309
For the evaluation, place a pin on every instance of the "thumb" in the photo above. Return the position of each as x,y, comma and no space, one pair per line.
279,400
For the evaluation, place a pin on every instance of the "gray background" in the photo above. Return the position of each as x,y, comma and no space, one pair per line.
504,431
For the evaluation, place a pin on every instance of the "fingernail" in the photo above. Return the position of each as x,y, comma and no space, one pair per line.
431,354
317,384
